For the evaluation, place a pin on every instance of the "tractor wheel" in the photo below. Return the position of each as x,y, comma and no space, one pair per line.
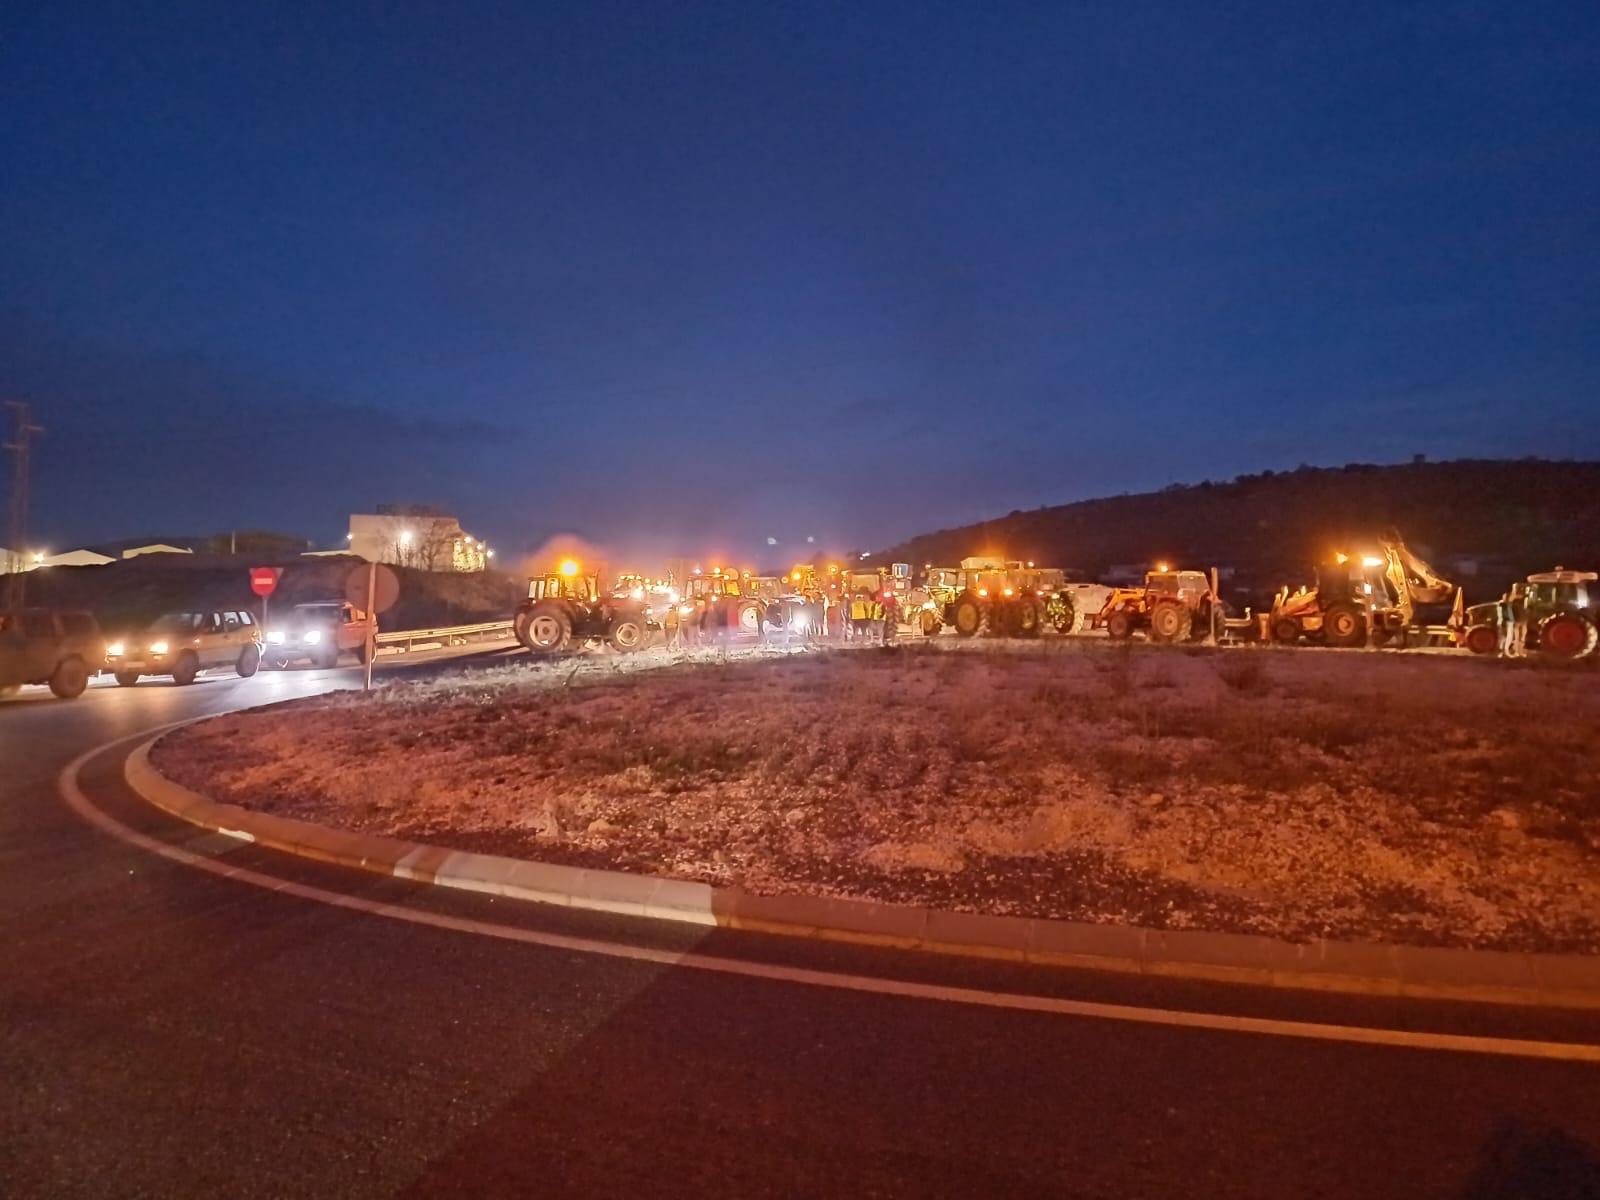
931,624
126,678
1567,635
1286,631
750,618
69,678
1170,622
1482,639
1027,616
1120,624
185,669
1344,625
968,616
1063,615
519,627
249,660
549,628
627,634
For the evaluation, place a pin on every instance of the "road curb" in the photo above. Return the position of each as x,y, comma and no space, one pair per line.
1363,968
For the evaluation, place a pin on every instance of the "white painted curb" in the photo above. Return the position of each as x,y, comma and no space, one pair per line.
1544,980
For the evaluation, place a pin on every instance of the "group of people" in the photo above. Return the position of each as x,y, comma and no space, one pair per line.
865,617
1511,623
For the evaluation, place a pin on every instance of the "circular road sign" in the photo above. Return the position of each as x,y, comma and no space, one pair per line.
264,580
386,587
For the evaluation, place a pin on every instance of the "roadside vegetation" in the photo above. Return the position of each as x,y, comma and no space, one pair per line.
1416,798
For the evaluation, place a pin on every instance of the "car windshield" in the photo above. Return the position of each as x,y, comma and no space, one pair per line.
317,612
176,623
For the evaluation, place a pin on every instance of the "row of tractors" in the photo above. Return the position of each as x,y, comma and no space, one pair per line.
1371,598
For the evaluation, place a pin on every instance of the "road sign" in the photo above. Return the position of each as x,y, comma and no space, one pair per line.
264,580
385,585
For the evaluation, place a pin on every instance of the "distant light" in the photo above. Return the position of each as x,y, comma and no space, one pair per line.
349,537
772,541
866,554
1162,568
490,553
38,556
810,541
405,537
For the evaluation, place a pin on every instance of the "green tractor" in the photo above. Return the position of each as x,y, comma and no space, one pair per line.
1559,607
984,595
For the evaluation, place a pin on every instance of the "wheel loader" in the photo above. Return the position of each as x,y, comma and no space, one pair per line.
1360,595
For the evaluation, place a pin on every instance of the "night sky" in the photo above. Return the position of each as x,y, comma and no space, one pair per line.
700,275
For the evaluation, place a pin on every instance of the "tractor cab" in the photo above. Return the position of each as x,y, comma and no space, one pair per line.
1561,590
714,586
561,585
1191,587
1559,611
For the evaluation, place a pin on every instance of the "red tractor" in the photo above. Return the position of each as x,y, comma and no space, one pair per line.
567,607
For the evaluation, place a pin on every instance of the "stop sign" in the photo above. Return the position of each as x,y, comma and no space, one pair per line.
264,580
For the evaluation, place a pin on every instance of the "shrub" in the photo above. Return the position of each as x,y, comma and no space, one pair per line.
1245,674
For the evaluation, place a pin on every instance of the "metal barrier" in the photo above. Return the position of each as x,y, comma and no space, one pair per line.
446,635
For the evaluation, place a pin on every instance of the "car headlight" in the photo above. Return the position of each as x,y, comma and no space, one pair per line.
158,647
114,650
275,637
312,637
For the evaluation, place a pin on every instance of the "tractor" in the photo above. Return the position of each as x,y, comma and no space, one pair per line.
1171,606
567,606
1559,607
1358,594
722,604
1012,599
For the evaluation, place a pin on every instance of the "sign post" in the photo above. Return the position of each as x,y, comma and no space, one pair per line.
373,589
263,582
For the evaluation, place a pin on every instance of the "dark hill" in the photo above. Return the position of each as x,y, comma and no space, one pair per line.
1482,523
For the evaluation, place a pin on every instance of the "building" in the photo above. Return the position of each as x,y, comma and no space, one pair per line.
416,536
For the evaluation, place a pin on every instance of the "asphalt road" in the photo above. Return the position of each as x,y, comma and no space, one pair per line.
168,1032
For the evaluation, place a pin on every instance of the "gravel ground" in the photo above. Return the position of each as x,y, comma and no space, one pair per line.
1416,798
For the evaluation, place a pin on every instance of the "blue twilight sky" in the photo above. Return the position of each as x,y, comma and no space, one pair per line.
704,274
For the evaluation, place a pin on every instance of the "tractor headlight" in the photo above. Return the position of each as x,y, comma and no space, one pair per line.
114,650
158,647
275,637
312,637
801,622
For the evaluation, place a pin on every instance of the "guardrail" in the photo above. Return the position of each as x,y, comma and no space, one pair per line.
445,635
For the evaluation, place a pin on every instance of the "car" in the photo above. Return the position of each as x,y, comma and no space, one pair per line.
182,644
319,632
41,645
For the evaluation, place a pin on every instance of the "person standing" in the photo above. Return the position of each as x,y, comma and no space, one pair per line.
1519,622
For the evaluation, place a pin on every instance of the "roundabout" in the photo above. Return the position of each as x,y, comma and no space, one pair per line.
378,1034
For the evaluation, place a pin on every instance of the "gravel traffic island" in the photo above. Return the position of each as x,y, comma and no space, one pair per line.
1411,799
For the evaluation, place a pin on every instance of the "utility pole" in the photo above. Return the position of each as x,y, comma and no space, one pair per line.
23,433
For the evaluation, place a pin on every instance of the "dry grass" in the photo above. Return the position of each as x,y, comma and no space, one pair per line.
1420,798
